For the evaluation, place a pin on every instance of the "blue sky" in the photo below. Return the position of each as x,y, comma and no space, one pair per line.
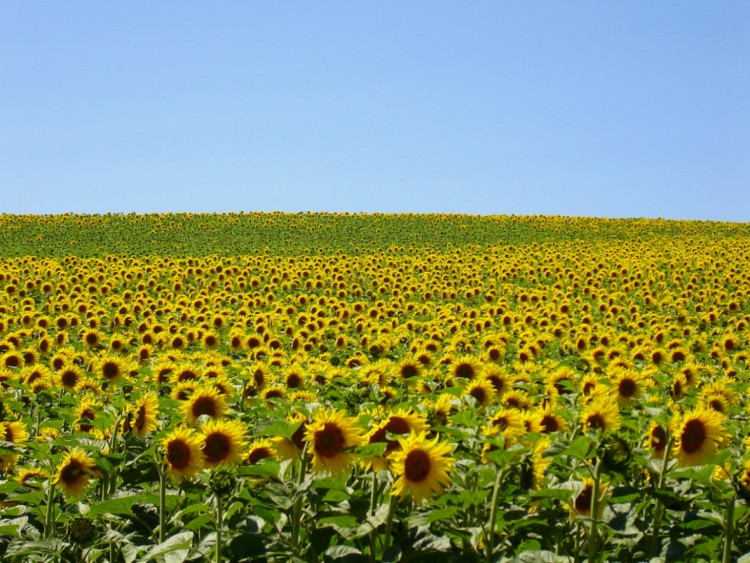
607,109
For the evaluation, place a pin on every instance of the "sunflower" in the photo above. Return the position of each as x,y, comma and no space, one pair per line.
562,380
589,385
719,388
629,386
466,367
183,391
400,422
698,436
583,501
745,477
31,478
32,374
205,400
509,419
482,390
223,442
86,412
534,466
602,414
657,440
113,368
329,435
88,385
679,386
273,392
12,432
421,467
182,453
69,376
75,472
259,450
516,399
550,420
409,368
144,413
499,378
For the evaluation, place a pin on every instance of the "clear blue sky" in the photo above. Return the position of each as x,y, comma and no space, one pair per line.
608,109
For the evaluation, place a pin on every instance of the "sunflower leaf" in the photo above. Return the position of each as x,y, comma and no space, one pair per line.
177,545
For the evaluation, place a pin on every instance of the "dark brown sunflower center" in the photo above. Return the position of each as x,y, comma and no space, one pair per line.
549,423
417,466
501,421
298,438
583,500
658,438
69,378
560,386
693,436
329,441
479,394
71,473
596,421
217,447
293,381
465,371
140,418
378,436
110,370
257,454
204,405
627,388
178,454
187,375
408,371
497,382
397,425
92,338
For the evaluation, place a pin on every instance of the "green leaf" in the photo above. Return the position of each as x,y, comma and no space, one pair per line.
114,506
345,552
179,545
12,527
580,448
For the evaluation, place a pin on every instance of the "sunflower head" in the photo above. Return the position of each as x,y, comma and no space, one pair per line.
329,436
699,435
224,442
183,457
421,467
75,472
143,415
205,400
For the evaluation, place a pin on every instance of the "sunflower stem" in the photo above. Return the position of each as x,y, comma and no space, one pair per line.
729,530
389,523
593,540
297,506
219,526
659,508
490,543
108,483
49,520
162,503
373,499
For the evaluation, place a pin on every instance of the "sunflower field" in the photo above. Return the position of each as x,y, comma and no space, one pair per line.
370,387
